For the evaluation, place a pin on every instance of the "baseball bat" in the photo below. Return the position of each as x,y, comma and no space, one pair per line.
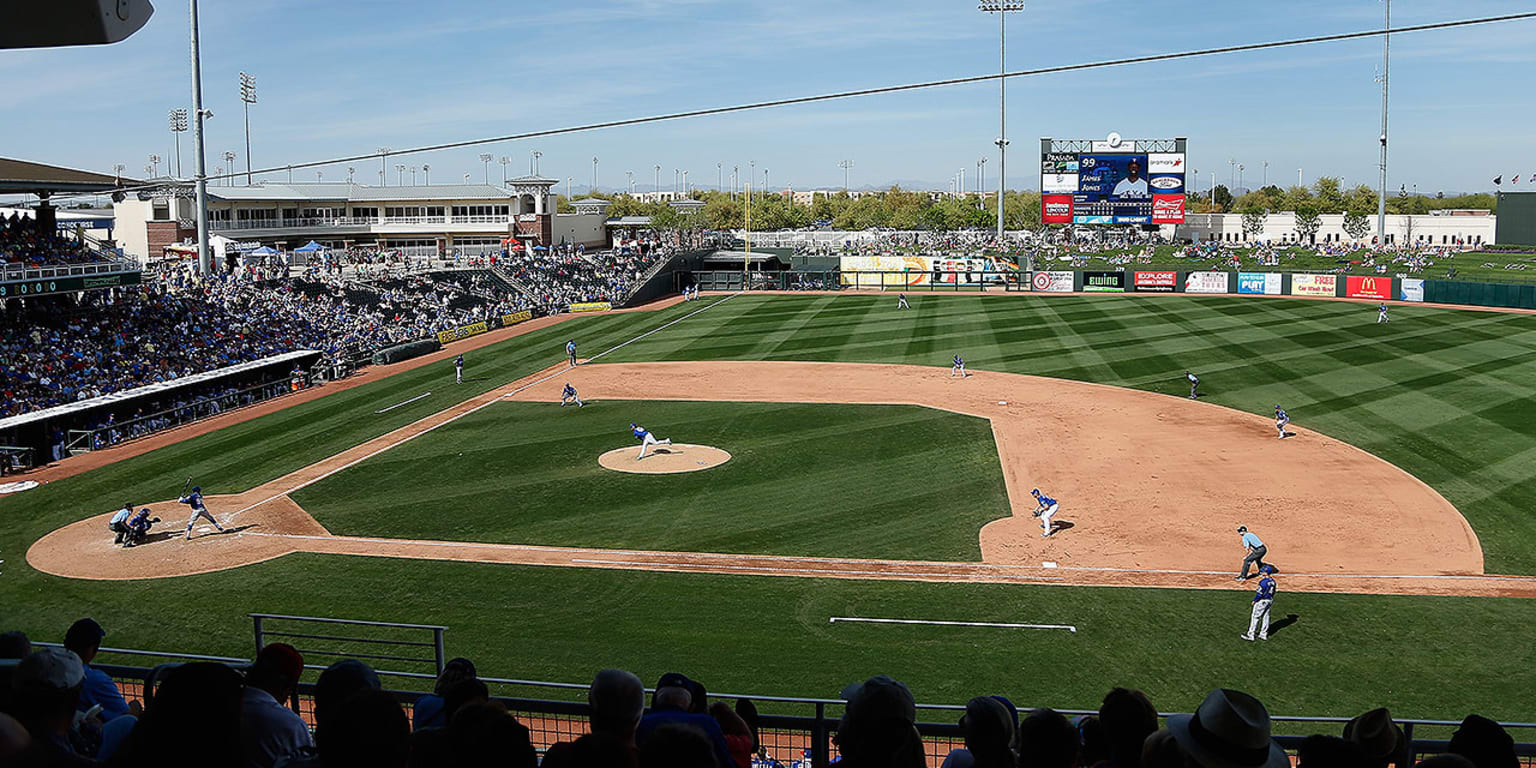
186,485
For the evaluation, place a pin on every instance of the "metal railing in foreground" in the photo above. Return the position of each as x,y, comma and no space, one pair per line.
792,730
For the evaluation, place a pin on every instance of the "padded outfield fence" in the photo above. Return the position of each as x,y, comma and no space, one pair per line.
793,731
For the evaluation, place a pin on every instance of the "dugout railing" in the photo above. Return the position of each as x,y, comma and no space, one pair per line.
793,731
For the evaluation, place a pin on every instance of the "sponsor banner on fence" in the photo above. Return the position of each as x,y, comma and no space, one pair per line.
590,306
1104,282
1058,182
1205,282
1168,185
1167,209
898,271
1051,282
1164,282
1267,283
1059,162
1368,287
462,332
516,317
1165,162
1314,285
1413,289
1056,209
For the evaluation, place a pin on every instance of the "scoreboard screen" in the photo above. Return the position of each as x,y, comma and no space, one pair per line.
1119,187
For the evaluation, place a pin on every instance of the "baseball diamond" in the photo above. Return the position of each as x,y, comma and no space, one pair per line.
1395,485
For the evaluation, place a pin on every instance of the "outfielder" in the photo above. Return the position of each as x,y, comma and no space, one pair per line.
901,301
568,396
195,501
1045,511
957,368
1282,420
570,351
1381,313
458,369
1262,600
1194,384
646,439
119,523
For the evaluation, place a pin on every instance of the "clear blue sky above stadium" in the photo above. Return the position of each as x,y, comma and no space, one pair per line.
338,78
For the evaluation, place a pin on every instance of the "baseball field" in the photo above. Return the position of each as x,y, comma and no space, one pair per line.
864,481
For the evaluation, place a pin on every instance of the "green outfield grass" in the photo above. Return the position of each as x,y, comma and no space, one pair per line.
1445,394
812,480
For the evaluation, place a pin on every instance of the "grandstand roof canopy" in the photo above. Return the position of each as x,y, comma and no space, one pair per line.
358,192
33,178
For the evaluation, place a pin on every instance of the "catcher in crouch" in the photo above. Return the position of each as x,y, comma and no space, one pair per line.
1045,511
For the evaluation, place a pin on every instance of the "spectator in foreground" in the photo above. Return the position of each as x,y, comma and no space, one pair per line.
15,645
336,685
1128,718
878,728
1229,730
84,638
1047,740
485,734
192,721
1382,741
47,685
616,700
1319,751
671,704
1484,742
366,730
428,710
989,730
269,729
678,745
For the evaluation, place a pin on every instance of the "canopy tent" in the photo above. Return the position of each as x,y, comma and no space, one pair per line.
310,247
265,250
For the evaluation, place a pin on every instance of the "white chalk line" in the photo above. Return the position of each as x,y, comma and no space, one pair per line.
475,409
403,402
770,569
862,620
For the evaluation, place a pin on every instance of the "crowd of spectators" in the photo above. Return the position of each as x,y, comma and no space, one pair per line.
563,275
21,242
56,709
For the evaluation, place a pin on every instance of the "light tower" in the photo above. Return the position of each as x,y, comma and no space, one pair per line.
383,158
154,165
1002,8
485,160
400,174
656,185
593,189
1386,68
504,162
426,174
248,96
845,165
631,175
229,162
178,122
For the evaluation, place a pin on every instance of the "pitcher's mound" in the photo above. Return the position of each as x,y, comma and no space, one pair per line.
664,459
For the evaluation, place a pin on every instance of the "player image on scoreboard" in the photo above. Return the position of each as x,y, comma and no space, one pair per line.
1114,186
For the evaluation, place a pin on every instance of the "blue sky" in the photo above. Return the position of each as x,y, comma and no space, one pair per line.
339,78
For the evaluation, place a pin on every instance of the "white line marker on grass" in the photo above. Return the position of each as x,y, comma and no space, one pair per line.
1067,627
403,402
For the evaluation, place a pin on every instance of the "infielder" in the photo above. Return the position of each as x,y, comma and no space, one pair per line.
458,369
568,396
570,351
646,439
1282,420
901,301
1381,313
1262,600
119,523
957,368
1253,552
195,501
1194,384
1045,511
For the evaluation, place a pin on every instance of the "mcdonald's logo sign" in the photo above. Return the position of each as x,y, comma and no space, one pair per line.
1379,288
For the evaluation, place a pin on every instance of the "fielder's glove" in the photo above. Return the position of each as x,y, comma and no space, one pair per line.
1038,511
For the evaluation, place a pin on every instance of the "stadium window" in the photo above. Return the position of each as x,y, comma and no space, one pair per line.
162,211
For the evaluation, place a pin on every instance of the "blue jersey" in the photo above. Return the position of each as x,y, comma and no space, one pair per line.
193,499
640,433
958,362
569,391
1266,590
458,362
1281,415
1046,501
570,347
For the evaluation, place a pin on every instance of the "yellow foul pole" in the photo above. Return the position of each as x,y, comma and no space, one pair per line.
746,257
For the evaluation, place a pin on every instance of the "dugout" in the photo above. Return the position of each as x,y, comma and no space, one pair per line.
1516,223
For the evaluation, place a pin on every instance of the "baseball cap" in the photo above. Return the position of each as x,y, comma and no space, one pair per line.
878,698
284,658
84,634
675,680
57,668
1266,569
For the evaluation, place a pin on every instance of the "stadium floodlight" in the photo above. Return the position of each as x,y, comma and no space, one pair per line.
533,162
248,96
1002,8
504,161
178,122
845,165
656,186
350,170
154,165
485,159
400,174
383,156
1386,69
426,173
229,162
631,175
593,188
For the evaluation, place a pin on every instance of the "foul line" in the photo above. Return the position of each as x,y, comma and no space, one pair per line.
403,402
656,564
475,409
1067,627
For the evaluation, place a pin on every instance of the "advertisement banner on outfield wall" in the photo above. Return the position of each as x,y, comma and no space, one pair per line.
1368,287
1051,282
1157,282
516,317
1104,282
1205,282
1314,285
1266,283
894,271
1412,289
462,332
590,306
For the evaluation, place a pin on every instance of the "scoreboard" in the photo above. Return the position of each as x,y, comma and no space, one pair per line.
1112,182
